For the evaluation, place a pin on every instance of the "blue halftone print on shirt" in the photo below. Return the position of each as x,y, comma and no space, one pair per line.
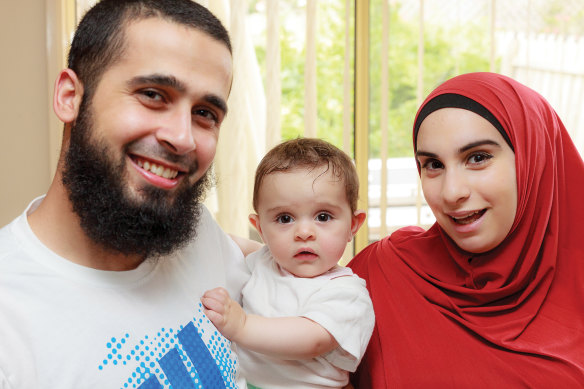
186,357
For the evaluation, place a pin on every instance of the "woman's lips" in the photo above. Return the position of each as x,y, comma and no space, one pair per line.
469,218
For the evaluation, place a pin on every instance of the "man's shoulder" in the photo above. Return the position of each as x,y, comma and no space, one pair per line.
9,241
212,258
210,233
16,236
210,241
207,226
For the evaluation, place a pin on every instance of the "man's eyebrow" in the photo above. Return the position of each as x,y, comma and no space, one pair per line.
158,79
170,81
470,146
216,101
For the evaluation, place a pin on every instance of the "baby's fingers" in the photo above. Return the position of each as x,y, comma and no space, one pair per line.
212,304
214,317
219,294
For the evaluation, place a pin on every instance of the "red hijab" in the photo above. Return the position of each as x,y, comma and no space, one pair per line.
512,317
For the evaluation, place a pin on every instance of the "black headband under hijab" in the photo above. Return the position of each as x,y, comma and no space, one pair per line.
452,100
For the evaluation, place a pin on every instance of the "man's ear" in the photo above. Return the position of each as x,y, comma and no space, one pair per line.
67,96
356,222
255,221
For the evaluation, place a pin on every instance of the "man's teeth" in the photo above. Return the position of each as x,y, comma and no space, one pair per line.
158,170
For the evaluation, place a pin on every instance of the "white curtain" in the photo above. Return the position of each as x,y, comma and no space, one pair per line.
242,139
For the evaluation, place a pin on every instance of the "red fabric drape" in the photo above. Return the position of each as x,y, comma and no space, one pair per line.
512,317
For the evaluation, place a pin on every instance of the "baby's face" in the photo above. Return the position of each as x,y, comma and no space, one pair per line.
305,219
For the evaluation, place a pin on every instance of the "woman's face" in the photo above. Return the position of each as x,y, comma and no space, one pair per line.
468,178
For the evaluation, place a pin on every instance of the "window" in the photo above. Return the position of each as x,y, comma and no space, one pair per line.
353,72
413,46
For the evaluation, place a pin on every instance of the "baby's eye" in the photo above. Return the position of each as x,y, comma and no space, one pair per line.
284,219
323,217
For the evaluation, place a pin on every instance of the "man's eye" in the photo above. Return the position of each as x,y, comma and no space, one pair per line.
152,95
284,219
152,98
323,217
205,113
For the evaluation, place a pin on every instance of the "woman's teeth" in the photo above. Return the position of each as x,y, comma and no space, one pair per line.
469,218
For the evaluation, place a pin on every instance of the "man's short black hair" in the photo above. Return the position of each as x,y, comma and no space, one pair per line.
99,40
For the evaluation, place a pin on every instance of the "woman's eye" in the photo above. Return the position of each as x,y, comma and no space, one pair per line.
284,219
478,158
323,217
432,164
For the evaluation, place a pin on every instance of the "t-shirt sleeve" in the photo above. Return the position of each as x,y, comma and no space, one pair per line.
261,256
3,381
221,254
343,307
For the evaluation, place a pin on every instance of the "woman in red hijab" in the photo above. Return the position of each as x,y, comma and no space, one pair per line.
492,295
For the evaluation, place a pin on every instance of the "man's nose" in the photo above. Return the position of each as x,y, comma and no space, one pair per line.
177,134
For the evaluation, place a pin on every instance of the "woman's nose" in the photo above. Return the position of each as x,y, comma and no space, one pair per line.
455,187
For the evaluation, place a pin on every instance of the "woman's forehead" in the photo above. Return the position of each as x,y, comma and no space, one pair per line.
455,127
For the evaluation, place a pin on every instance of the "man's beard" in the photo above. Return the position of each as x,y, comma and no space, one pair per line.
153,226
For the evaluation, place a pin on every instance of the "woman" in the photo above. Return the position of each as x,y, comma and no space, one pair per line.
492,295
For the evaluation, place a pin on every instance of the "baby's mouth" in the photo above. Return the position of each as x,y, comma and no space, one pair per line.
469,218
305,254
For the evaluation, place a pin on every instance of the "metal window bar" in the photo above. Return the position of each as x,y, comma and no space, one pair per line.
310,102
273,79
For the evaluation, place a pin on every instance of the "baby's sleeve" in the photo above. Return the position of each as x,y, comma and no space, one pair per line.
343,307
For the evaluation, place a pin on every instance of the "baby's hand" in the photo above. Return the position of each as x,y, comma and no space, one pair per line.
225,313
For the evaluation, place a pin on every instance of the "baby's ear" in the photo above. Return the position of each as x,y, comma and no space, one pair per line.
356,222
255,221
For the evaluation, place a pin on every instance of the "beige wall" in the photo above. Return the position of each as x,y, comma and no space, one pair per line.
24,107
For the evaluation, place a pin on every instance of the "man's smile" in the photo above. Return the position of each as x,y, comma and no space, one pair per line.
158,169
157,173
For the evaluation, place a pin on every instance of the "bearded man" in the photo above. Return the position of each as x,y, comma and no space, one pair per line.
100,279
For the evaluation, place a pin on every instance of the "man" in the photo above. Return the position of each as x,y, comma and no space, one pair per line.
100,279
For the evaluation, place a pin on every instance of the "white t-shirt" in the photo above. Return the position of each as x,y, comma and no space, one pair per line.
63,325
337,300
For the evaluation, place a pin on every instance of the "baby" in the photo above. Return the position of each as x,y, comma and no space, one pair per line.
305,321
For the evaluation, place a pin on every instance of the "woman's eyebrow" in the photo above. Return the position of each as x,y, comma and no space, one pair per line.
421,153
478,143
472,145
